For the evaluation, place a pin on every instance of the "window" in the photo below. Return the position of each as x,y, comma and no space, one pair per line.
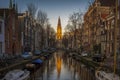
0,47
112,24
13,25
8,40
0,27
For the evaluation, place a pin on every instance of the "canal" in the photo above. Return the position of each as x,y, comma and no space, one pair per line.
62,67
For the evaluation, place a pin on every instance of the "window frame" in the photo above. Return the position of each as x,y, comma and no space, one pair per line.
0,27
0,47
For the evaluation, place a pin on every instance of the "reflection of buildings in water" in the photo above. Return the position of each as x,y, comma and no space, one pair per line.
58,65
80,71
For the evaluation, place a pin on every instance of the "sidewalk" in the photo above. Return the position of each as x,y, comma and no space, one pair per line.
110,62
16,62
8,62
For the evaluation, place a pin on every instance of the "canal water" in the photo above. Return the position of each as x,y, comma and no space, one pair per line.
63,67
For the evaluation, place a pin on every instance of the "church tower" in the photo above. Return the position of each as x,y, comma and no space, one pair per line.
59,30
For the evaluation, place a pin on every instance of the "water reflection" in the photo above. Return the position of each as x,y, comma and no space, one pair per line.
58,65
62,67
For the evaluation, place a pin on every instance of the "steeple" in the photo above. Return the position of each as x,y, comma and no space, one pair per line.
16,7
10,4
59,22
59,29
14,4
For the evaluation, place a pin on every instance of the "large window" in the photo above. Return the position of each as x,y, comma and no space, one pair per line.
0,27
13,25
0,47
8,40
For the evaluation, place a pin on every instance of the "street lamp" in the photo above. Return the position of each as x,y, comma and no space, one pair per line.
115,35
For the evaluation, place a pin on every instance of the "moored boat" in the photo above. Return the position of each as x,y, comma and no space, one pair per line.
30,66
17,74
38,63
102,75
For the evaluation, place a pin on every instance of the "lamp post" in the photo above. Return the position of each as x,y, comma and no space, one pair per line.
115,34
34,30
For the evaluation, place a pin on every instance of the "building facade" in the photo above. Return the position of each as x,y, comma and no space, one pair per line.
11,42
27,32
94,34
2,37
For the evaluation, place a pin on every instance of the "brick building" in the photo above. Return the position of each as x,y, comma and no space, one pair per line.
11,41
93,24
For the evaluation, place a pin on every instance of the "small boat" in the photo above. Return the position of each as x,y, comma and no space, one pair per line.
17,74
37,61
102,75
30,66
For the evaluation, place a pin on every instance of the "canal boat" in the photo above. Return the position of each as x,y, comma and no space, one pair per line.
38,63
30,66
102,75
17,74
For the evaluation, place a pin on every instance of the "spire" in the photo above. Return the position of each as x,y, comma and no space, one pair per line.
59,22
14,4
59,29
10,4
16,7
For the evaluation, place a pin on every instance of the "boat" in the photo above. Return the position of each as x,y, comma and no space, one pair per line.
17,74
102,75
30,67
37,61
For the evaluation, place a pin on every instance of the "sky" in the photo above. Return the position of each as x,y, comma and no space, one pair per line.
53,8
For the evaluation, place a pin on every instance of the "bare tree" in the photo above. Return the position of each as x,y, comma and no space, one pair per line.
73,28
32,9
69,28
76,19
43,21
42,18
51,36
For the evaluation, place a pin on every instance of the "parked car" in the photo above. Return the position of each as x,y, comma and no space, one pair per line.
97,58
45,51
84,54
26,55
37,52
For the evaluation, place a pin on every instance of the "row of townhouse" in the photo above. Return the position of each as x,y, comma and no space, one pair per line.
9,42
17,32
98,31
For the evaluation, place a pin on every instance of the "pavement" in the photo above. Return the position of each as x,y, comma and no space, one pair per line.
8,62
108,63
